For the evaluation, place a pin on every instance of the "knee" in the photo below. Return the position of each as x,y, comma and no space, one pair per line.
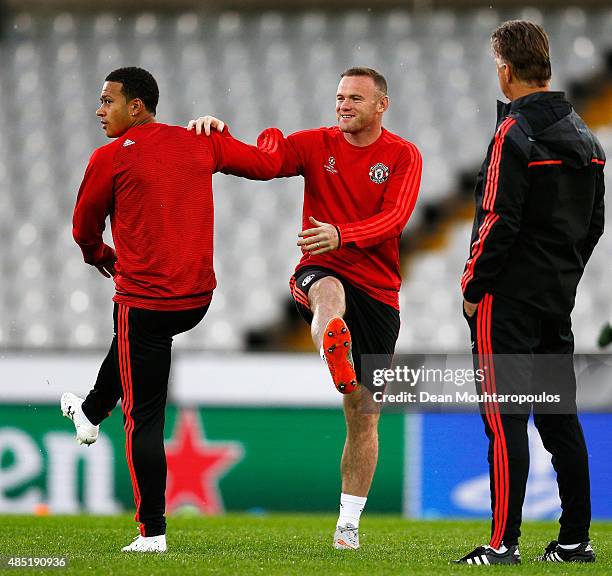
326,289
553,427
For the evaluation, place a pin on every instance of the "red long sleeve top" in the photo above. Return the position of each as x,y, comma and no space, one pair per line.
367,192
155,183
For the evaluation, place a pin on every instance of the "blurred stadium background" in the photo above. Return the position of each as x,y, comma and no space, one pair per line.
264,422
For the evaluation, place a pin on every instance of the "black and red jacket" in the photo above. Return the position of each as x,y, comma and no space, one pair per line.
539,206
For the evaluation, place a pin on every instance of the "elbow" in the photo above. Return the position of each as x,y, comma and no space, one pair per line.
82,239
77,236
270,171
88,248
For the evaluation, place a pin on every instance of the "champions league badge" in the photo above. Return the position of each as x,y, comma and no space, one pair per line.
331,165
379,173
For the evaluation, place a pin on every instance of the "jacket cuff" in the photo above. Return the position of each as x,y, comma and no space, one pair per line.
100,254
344,234
473,296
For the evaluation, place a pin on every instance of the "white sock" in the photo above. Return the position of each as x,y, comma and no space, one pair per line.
351,508
500,550
569,546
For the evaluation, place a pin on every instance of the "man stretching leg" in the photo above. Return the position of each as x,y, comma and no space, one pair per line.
361,184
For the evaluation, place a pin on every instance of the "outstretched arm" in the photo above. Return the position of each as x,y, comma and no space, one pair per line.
261,162
206,124
293,151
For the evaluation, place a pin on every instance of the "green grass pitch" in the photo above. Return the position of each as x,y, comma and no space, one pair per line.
276,544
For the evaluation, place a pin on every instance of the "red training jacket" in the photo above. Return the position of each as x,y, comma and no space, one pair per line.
155,183
368,192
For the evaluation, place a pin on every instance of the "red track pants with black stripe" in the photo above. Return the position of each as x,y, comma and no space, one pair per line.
522,352
136,369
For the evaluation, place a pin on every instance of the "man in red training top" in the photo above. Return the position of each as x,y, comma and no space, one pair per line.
155,183
361,184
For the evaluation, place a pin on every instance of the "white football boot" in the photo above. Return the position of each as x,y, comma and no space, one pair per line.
86,432
147,544
346,537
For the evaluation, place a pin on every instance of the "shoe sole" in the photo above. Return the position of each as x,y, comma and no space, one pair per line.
342,545
491,562
572,561
143,551
65,402
337,346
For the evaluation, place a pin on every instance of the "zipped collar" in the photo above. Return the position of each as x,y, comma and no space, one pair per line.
506,108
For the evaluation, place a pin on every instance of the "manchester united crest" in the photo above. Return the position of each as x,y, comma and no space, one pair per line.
379,173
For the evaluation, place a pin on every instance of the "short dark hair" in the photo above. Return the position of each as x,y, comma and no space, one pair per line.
379,79
524,46
137,83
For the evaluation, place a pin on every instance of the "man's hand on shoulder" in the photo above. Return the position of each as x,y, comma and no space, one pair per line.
207,123
322,238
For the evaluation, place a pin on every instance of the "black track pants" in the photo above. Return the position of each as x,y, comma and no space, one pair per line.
534,350
136,369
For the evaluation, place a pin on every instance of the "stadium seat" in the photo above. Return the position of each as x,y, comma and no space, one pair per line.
272,69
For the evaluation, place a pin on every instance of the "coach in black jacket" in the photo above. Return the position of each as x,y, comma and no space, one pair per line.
539,215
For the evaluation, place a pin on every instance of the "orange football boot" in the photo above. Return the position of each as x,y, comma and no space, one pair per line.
337,354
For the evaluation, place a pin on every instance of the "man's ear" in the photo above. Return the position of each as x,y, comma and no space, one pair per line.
383,104
136,106
508,74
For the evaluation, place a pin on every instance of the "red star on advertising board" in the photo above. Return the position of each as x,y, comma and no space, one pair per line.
195,465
